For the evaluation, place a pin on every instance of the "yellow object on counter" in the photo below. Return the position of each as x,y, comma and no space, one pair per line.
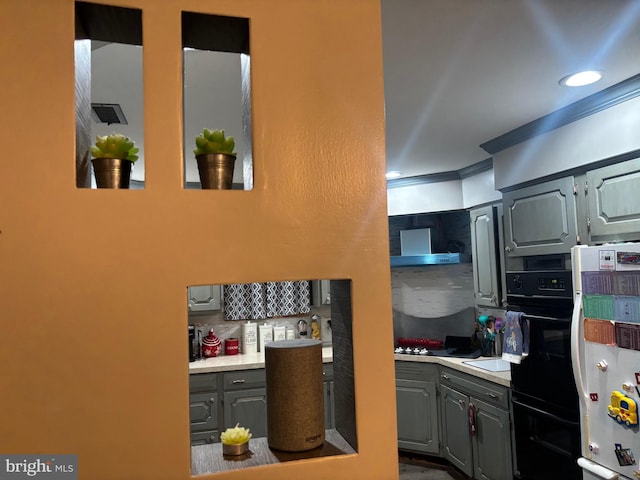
315,330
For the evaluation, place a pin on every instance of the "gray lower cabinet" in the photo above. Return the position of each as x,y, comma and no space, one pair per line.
245,400
613,205
328,389
476,426
456,435
541,219
204,408
218,401
417,407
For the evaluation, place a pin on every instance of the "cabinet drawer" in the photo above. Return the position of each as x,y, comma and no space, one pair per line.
416,371
476,387
205,437
199,382
244,379
327,371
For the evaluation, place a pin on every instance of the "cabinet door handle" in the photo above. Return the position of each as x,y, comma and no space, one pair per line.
446,377
472,420
492,395
235,382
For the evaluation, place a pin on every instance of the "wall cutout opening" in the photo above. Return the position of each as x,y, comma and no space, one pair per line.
109,92
228,378
216,95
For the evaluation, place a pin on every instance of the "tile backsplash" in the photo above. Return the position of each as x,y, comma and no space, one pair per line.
233,328
433,301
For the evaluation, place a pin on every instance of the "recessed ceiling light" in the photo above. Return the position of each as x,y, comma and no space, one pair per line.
393,174
581,78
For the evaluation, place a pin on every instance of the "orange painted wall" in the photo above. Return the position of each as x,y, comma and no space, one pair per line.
93,283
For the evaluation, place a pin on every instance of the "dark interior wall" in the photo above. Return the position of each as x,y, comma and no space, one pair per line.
450,231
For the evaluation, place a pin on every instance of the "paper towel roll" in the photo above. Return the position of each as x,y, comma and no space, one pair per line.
249,337
265,335
295,406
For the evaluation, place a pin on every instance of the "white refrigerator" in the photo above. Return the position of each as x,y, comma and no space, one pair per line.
605,348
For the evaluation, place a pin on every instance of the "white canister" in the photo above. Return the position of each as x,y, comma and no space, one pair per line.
249,337
290,333
265,335
279,333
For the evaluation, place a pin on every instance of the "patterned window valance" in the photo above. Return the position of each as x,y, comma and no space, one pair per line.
257,301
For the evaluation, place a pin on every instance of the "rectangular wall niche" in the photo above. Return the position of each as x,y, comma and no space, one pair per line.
108,84
216,90
218,400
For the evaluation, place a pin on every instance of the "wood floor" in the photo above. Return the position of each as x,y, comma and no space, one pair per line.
425,468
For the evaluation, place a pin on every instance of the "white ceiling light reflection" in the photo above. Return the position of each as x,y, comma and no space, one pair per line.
581,79
393,174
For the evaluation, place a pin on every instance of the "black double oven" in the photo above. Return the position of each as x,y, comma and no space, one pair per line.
544,397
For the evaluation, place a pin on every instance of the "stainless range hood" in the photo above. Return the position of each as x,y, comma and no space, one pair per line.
415,246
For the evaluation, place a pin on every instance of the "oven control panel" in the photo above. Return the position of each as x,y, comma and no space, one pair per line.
540,284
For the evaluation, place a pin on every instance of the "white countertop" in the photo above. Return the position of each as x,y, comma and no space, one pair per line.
227,363
242,361
501,378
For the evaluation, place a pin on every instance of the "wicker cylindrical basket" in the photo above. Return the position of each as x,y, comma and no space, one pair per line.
295,400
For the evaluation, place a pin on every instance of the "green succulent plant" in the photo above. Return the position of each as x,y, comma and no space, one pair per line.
214,141
115,145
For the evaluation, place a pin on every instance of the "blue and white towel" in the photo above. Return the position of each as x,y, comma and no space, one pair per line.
516,337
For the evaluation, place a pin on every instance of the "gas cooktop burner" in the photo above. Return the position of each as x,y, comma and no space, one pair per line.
413,351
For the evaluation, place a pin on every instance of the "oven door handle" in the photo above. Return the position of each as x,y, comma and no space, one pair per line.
552,319
542,413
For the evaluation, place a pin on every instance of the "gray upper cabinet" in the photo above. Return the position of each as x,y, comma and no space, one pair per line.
541,219
613,202
486,265
204,298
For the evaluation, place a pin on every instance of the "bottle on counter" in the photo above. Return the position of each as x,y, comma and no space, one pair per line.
249,337
265,335
302,328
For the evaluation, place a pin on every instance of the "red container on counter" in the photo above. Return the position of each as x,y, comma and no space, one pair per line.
231,346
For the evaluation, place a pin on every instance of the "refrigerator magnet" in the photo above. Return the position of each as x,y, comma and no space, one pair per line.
624,456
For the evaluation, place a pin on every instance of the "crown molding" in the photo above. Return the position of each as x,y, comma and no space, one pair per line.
607,98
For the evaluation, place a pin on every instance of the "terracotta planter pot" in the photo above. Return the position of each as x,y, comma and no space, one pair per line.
216,170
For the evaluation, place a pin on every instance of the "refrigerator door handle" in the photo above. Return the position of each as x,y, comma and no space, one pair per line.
576,339
597,469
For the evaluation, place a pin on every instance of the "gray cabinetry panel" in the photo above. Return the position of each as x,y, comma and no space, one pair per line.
540,219
417,407
244,379
456,437
417,414
484,450
203,410
613,202
248,408
491,447
485,264
328,389
204,298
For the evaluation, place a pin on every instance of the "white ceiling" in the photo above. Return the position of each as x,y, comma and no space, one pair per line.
461,72
457,73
